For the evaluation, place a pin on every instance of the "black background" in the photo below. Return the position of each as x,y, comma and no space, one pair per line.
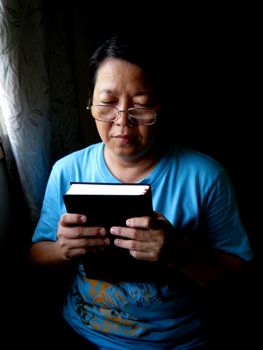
210,56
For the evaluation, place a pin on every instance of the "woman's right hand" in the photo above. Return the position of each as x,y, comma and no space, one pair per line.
76,239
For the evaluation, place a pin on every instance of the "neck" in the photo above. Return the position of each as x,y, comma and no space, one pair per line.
131,169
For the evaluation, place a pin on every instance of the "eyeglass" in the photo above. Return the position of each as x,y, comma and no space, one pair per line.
109,114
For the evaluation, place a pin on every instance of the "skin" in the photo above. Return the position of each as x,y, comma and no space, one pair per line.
130,155
121,84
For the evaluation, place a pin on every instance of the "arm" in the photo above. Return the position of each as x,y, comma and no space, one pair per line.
155,240
204,266
74,240
46,253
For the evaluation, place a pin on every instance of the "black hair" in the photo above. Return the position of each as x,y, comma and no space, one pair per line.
145,52
141,51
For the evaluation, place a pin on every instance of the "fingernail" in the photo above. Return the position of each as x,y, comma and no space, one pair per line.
102,231
112,230
83,219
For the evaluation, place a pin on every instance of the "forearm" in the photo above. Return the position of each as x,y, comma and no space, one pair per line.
213,269
47,253
205,267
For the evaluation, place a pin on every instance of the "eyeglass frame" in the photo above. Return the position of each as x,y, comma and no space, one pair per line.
123,110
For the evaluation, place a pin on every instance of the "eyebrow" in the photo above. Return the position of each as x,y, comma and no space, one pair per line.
140,93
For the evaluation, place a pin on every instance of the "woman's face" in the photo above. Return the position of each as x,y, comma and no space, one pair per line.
123,85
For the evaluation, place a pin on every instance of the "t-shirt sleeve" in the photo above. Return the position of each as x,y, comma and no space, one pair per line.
225,229
52,208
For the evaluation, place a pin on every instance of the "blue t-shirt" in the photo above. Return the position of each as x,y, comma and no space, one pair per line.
194,193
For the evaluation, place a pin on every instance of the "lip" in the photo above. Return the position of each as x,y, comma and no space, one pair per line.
123,138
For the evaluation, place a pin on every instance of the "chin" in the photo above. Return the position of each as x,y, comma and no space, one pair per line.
125,151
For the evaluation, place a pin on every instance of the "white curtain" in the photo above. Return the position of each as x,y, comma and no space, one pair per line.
37,92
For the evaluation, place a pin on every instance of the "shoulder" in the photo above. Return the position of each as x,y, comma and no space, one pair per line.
79,156
198,166
75,165
196,160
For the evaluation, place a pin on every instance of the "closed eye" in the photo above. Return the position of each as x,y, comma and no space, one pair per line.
107,103
142,105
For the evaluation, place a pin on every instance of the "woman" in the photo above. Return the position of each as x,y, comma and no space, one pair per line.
194,239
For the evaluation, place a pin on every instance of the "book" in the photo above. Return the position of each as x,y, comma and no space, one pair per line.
106,205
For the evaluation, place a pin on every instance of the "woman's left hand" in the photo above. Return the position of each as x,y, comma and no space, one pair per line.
144,237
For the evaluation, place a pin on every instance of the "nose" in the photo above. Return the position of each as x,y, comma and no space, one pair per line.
122,117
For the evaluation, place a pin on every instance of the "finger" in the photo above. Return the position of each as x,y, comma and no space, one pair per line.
147,222
146,256
80,251
81,231
131,244
130,233
88,242
142,221
142,235
68,219
77,252
81,246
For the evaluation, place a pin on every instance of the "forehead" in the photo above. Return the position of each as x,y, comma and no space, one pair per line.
116,73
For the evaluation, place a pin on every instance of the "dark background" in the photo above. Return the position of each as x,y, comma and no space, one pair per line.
211,55
212,84
211,74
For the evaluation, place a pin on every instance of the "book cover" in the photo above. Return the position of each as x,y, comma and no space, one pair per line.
107,205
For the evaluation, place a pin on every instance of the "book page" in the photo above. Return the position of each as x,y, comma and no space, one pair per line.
107,189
